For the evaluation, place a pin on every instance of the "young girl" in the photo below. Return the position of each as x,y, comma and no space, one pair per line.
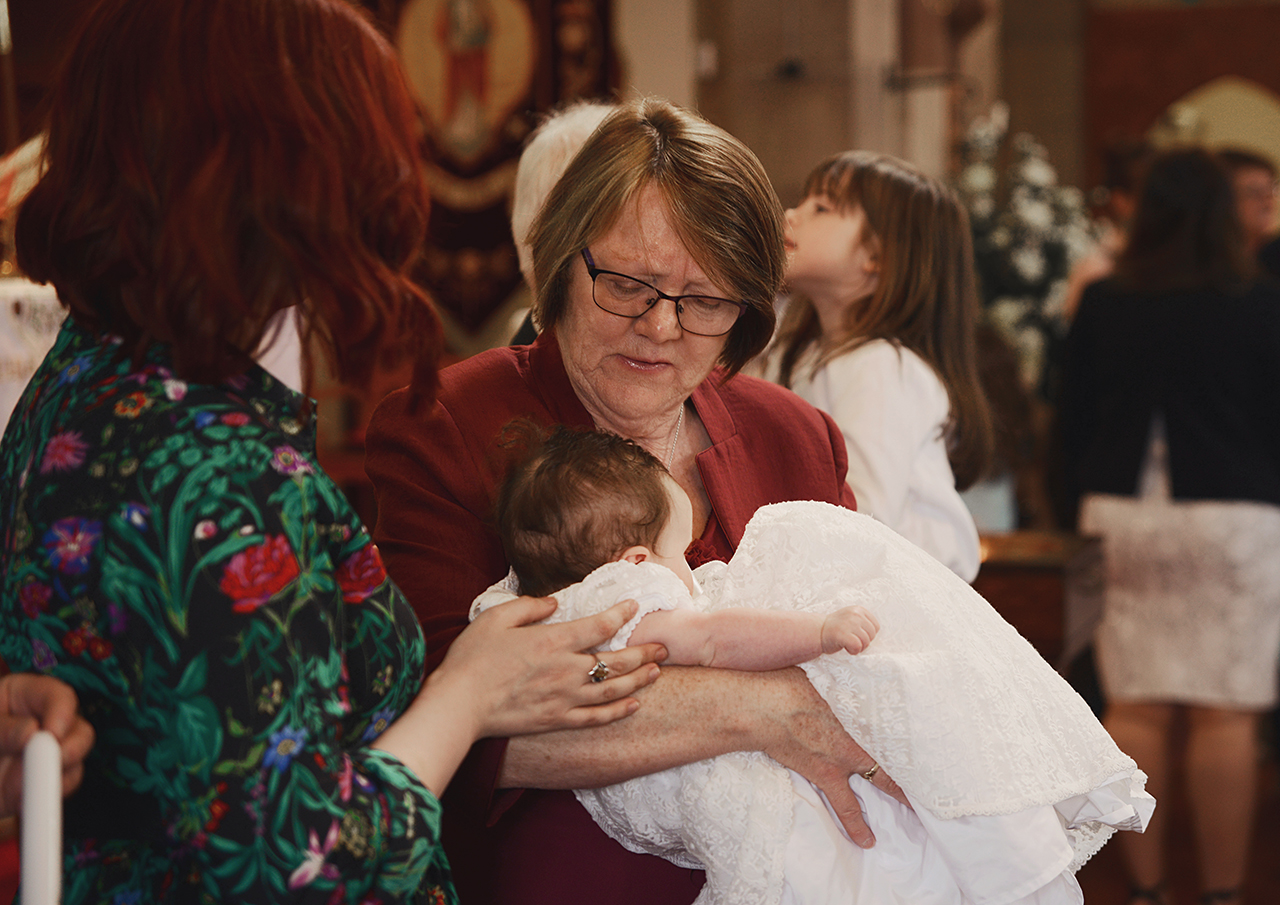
879,333
1013,781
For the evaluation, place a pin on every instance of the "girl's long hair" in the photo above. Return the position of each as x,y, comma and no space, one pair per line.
926,299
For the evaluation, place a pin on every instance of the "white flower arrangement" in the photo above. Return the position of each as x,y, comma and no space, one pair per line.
1027,233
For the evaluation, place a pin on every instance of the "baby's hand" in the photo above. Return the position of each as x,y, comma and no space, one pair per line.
850,629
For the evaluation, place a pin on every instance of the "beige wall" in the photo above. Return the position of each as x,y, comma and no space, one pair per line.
1042,78
656,46
801,79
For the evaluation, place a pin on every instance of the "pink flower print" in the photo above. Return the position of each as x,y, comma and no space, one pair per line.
235,419
256,574
361,574
176,390
205,529
313,865
70,542
34,598
64,452
288,460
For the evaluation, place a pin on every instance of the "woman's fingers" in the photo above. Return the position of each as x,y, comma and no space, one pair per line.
849,810
591,631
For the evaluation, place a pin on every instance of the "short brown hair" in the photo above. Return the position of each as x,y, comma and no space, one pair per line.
721,202
578,501
212,162
927,295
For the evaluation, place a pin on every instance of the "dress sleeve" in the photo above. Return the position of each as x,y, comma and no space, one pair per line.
886,413
245,648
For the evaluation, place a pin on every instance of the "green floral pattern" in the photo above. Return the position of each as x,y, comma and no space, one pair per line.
174,552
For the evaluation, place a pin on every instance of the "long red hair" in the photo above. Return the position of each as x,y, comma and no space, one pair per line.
212,162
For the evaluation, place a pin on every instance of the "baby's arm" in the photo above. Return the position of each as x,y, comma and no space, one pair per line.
754,639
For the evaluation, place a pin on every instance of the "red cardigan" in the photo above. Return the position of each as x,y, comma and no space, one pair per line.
434,472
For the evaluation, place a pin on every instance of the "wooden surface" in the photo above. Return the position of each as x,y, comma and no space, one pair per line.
1048,585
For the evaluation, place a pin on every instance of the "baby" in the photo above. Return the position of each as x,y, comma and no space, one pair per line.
592,498
1013,782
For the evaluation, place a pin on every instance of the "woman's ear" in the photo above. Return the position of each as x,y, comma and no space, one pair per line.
635,555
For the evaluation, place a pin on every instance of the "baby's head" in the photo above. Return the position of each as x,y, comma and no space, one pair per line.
585,498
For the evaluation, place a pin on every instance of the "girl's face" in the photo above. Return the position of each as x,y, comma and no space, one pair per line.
834,257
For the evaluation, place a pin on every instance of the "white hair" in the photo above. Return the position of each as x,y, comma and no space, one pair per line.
544,159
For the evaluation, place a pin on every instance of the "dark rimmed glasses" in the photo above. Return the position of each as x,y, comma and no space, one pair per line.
702,315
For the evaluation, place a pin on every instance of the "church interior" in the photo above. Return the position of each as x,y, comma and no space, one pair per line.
1016,103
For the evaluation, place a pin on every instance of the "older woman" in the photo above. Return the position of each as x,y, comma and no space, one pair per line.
169,546
657,258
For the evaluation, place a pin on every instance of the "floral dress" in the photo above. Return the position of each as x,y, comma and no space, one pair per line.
173,551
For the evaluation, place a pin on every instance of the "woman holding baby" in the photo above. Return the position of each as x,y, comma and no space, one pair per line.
658,257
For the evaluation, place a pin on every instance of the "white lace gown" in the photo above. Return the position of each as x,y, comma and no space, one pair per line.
1013,782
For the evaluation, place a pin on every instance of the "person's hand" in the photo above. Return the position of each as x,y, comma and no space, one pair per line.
534,678
805,736
29,703
850,629
503,677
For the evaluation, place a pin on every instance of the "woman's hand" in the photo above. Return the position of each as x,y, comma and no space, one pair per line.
29,703
804,735
534,678
503,676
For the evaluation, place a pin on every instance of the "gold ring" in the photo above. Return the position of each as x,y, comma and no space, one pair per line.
870,774
599,672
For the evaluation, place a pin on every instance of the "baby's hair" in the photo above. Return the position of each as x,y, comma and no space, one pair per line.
926,298
576,502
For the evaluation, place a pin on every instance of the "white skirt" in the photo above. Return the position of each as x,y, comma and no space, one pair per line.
1192,611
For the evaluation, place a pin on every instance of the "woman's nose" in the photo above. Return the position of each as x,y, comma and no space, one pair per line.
661,322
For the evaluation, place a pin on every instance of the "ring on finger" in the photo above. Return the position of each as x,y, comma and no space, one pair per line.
870,774
599,672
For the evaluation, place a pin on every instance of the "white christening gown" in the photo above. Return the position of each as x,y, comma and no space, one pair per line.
1013,781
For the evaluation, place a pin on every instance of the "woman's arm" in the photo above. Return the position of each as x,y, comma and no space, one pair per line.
505,677
695,713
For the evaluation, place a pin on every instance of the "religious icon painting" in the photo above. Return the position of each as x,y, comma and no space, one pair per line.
482,71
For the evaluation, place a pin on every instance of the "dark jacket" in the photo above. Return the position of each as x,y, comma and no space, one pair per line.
1208,361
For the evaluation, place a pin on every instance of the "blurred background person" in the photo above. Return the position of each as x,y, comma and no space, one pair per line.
1171,434
1253,179
544,159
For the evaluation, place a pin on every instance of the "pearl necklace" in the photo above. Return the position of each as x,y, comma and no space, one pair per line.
671,450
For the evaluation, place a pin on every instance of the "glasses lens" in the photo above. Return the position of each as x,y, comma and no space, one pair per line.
620,294
628,297
707,316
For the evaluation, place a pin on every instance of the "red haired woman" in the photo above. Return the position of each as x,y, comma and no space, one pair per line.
220,172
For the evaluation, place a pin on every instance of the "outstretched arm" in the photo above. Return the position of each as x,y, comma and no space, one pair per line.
754,640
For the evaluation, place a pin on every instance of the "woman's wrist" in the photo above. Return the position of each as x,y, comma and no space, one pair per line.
435,733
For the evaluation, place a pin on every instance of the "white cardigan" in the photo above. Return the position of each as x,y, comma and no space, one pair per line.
892,409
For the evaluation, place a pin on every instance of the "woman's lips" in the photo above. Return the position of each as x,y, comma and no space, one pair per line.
642,364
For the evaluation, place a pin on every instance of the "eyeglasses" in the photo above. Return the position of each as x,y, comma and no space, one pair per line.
702,315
